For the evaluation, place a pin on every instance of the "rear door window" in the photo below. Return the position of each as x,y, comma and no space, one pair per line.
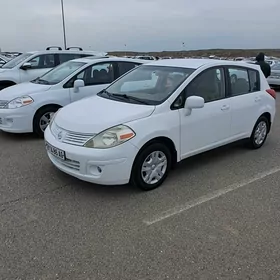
64,57
125,67
254,78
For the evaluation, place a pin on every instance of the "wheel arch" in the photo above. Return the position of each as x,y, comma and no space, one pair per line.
7,82
268,116
164,140
43,107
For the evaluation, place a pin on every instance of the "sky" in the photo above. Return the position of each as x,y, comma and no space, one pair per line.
140,25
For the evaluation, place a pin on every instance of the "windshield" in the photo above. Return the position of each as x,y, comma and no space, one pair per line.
149,84
15,61
276,66
59,73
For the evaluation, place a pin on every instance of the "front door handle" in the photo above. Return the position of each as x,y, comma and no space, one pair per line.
225,107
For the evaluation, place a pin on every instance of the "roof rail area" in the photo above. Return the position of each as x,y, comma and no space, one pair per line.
79,48
52,47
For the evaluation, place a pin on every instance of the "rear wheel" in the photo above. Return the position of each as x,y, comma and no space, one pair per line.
259,133
42,119
151,167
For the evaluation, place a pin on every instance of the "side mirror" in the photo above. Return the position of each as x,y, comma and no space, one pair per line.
78,84
193,102
26,65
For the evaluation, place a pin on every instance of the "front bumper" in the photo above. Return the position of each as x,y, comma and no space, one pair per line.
16,120
101,166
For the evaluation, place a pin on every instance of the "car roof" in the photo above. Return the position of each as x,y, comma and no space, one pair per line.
67,52
197,63
96,59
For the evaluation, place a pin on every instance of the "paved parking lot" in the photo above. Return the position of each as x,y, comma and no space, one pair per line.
216,217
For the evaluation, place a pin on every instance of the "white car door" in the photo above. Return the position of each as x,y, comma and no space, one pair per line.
40,65
245,100
209,126
96,77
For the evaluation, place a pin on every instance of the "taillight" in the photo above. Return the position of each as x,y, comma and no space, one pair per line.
271,92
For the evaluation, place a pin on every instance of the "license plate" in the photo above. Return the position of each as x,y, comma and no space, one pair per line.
55,151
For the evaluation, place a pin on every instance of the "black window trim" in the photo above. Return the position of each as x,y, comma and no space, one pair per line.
183,93
80,55
131,62
227,67
91,65
56,59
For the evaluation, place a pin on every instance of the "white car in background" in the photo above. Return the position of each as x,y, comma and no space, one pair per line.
274,78
158,114
28,107
145,57
3,60
271,62
31,65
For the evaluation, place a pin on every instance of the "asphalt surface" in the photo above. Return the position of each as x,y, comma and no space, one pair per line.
216,217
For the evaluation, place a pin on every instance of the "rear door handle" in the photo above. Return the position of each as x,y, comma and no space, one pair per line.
225,107
257,99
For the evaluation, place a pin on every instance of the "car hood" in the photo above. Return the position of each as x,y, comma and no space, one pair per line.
21,90
95,114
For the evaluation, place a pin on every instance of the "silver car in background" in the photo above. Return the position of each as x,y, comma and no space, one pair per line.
274,78
3,60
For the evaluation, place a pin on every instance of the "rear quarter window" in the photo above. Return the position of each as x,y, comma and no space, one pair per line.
243,80
254,78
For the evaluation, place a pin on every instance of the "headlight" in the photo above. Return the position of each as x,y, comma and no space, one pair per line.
19,102
111,137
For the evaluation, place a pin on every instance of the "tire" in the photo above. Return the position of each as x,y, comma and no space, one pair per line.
160,151
262,125
38,121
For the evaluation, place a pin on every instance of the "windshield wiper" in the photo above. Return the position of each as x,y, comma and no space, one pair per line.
130,97
40,81
43,81
105,91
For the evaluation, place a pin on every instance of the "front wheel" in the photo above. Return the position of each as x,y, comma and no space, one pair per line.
259,133
151,167
42,119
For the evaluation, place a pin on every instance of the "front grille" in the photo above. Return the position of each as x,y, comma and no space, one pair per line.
69,137
3,103
77,139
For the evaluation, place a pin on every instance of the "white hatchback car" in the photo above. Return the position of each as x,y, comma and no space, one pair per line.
31,65
28,107
159,114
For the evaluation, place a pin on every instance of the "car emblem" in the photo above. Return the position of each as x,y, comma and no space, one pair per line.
59,135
